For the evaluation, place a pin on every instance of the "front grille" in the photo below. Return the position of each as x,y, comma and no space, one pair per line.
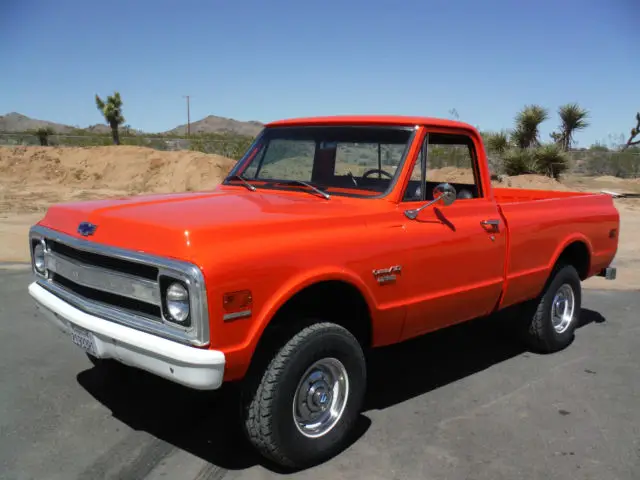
152,312
103,261
105,280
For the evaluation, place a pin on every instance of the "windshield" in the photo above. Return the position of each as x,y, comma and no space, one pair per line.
341,160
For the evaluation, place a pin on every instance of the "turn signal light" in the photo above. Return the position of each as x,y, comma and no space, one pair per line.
237,304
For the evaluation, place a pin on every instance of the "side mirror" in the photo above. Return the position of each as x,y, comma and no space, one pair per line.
443,192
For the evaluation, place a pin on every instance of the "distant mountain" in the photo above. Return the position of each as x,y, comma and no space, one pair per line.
214,124
16,122
99,128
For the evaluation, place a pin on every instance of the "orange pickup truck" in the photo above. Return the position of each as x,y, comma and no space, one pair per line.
330,237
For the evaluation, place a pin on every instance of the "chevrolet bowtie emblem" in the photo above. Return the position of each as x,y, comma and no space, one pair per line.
85,229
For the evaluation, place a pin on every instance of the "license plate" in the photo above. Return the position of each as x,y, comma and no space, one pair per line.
83,339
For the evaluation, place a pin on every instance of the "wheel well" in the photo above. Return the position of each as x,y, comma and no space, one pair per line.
577,255
333,300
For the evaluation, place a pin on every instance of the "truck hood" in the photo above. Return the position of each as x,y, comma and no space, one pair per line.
176,225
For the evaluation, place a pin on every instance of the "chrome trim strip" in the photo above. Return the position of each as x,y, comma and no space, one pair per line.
196,334
234,316
102,279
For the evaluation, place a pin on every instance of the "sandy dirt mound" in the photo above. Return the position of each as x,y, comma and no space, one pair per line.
33,178
126,168
465,175
530,181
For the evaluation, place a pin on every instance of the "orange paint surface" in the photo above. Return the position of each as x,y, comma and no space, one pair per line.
274,243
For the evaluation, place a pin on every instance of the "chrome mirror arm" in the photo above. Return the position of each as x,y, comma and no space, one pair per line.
443,191
413,213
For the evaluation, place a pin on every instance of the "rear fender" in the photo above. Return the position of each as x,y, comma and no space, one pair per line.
577,237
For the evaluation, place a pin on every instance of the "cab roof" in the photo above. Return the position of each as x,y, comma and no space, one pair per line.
399,120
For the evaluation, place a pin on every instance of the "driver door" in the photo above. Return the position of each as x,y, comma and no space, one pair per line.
456,266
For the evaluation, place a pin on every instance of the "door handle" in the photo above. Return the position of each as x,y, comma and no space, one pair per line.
491,225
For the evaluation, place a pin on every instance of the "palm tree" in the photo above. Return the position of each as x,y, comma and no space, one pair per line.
112,112
572,118
527,127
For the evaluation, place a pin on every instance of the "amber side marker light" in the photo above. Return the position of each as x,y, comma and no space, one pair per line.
237,305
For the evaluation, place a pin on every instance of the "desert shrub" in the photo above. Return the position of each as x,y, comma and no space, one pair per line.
228,145
497,142
546,160
519,161
550,160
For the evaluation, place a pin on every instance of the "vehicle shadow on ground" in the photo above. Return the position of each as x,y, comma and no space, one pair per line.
207,424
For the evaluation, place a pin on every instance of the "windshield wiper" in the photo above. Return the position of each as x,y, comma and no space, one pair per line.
244,182
306,184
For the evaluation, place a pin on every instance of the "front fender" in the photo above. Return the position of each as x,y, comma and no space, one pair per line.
239,359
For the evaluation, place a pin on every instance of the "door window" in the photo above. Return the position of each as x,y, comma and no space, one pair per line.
444,158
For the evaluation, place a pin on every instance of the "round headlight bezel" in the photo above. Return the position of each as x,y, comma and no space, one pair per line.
177,303
39,263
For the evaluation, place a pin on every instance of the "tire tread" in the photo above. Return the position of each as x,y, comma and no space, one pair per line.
259,421
538,332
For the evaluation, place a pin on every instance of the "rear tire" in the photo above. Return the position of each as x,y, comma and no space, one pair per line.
304,405
553,318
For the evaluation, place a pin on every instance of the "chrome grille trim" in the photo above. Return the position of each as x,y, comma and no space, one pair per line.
104,280
196,334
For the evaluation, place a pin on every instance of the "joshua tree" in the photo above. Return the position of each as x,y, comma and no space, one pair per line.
634,133
112,112
572,118
43,135
527,127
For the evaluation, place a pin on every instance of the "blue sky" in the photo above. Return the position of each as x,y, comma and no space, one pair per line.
257,60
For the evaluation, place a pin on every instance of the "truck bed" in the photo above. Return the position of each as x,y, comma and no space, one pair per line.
517,195
541,224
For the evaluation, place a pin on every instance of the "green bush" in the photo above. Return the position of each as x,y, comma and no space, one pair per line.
550,160
497,142
546,160
519,161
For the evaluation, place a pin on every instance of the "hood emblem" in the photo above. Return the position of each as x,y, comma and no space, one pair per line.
85,229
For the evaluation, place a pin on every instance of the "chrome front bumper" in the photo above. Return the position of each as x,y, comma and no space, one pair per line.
193,367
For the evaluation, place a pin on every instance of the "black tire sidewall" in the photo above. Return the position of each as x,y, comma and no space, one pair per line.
565,274
327,342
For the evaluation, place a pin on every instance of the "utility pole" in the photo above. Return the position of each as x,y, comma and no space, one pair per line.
188,116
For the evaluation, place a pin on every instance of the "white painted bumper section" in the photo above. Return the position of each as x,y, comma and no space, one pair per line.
194,367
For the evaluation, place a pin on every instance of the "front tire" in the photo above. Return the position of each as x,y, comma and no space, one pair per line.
551,326
308,398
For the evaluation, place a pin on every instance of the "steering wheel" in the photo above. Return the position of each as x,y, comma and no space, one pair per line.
374,170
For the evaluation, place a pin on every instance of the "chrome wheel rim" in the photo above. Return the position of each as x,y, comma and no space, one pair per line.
321,397
562,308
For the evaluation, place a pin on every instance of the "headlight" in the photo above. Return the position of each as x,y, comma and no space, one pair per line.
177,298
38,258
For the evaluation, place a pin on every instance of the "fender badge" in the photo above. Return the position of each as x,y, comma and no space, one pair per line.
85,229
386,275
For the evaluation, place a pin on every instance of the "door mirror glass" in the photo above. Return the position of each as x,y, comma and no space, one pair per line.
445,192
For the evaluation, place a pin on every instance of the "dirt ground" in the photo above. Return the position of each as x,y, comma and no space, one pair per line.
32,178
